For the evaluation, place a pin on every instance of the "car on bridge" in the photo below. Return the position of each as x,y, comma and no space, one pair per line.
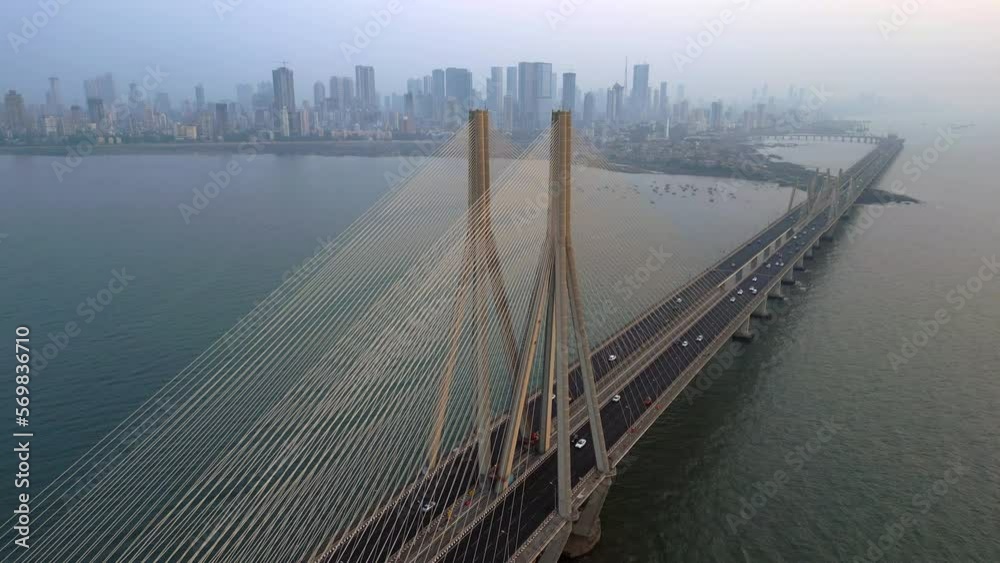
580,443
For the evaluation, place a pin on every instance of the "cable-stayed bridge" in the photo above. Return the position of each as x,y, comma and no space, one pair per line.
417,393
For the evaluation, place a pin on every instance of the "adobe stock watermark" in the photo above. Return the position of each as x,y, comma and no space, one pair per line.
704,39
86,310
900,16
921,504
225,7
376,24
958,298
564,10
218,181
120,109
914,169
796,460
32,25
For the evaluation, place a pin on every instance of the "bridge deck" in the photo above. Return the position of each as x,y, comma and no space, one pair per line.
493,529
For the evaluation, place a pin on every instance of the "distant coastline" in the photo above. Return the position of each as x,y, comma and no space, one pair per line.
323,148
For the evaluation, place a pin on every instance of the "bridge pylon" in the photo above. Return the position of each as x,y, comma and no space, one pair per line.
480,273
557,300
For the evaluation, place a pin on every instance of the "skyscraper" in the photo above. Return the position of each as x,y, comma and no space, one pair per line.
640,90
319,95
511,89
364,77
437,93
199,97
569,91
101,87
664,101
589,103
458,85
494,91
14,106
616,104
284,89
222,124
534,95
53,98
244,96
95,110
680,92
715,118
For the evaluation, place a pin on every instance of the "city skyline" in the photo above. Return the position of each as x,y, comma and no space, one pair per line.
313,37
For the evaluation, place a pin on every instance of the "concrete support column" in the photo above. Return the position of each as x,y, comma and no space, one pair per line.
587,529
789,277
776,292
761,311
809,255
744,332
800,264
554,550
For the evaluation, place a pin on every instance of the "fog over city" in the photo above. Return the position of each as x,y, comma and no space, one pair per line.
914,51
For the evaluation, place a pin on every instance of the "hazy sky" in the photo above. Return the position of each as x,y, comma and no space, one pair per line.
945,49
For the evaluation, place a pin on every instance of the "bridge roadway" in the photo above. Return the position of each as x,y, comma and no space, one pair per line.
497,527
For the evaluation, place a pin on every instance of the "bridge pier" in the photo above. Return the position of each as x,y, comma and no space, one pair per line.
553,551
761,312
586,531
789,277
800,264
828,235
744,333
776,292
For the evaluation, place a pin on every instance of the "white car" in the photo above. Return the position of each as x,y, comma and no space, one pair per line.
612,357
739,292
732,299
616,398
427,506
580,443
699,338
768,265
753,290
754,278
684,344
678,300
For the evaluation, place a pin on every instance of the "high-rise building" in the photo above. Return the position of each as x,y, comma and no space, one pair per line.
664,101
494,91
284,89
17,120
535,93
414,86
53,98
222,125
283,122
95,110
364,77
341,93
162,103
680,92
589,103
101,87
715,118
244,96
639,102
438,93
508,113
458,85
616,104
511,89
199,98
319,95
569,91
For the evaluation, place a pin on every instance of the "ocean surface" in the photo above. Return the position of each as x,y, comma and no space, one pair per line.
840,425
